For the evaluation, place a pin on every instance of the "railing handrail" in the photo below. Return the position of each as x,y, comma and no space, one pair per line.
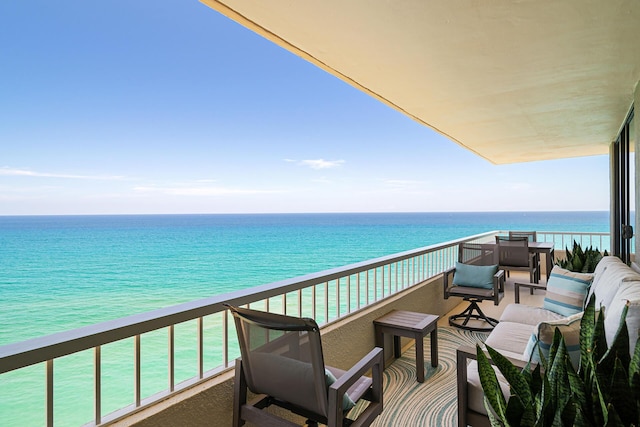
577,233
36,350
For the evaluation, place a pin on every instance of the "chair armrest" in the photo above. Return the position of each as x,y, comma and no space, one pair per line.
464,354
516,289
498,286
467,352
373,361
445,281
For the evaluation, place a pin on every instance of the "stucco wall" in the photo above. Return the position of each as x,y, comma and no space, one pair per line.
344,343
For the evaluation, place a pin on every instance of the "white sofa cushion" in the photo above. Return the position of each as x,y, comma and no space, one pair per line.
609,275
628,293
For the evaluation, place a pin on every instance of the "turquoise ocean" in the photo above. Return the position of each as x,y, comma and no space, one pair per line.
63,272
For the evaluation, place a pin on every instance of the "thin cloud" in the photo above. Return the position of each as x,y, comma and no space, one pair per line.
201,191
519,186
317,163
404,183
322,180
6,171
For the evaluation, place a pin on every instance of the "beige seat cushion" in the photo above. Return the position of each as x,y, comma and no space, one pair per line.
510,339
521,313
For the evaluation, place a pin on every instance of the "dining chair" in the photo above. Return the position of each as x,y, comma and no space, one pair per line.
532,236
514,255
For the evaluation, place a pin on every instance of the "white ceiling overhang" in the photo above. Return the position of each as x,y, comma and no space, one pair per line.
512,81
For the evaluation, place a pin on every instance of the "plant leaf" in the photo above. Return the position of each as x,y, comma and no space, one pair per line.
536,381
599,407
492,392
578,390
587,327
621,395
567,408
599,340
519,385
580,419
557,373
619,348
613,420
495,422
515,412
634,372
546,407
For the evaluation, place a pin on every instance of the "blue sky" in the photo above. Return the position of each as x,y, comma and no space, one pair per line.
168,107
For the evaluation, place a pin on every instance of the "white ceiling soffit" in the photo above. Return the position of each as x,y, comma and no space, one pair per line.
512,81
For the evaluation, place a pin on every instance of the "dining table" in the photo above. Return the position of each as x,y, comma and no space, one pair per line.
546,248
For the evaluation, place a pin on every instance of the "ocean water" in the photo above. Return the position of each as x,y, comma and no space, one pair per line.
63,272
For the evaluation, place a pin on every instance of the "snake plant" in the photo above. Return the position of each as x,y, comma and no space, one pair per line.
604,391
582,261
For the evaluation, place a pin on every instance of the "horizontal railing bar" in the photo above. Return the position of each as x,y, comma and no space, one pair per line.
21,354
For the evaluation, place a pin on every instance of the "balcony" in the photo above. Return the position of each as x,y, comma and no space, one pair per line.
175,364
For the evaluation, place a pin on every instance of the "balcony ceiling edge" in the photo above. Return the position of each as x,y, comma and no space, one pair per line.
514,82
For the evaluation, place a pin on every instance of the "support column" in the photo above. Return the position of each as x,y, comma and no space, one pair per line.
635,143
614,208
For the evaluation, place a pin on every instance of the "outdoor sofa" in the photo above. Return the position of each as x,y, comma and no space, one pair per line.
613,283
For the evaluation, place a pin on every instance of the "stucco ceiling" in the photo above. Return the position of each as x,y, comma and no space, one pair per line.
512,81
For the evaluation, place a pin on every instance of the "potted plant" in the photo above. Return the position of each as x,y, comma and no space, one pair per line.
604,391
582,261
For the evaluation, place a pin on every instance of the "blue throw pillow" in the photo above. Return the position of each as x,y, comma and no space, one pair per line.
475,276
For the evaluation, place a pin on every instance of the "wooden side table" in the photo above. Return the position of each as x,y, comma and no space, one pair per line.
411,325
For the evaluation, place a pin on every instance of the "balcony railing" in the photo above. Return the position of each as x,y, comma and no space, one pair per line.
563,240
198,339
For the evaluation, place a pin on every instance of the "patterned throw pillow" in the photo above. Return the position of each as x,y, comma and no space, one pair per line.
566,291
542,338
475,276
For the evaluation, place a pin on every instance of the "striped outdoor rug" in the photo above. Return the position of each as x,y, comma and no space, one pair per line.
432,403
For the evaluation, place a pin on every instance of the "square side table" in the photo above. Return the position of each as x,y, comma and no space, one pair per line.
411,325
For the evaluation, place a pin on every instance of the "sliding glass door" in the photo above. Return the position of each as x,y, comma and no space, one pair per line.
623,191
